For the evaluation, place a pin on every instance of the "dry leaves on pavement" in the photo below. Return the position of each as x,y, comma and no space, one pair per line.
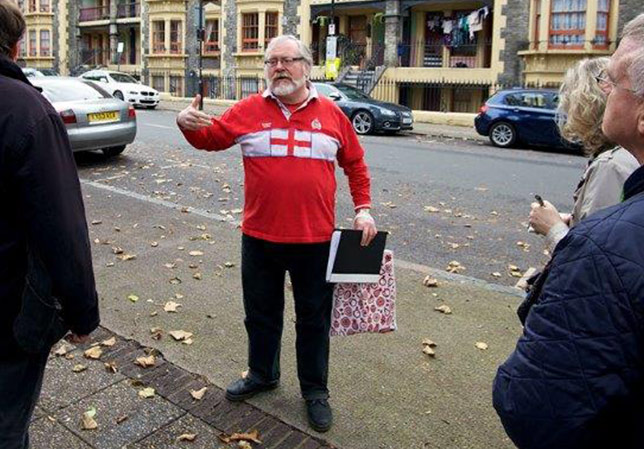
455,267
109,342
110,367
94,352
428,346
88,422
250,436
481,345
430,282
79,368
444,309
171,306
180,335
187,437
198,394
147,393
133,298
145,362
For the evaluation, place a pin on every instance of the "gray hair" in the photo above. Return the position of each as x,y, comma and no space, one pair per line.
303,49
634,31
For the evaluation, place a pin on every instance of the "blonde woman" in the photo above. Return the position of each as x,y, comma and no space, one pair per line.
580,112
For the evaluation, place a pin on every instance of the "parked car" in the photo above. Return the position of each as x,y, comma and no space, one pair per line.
31,72
366,114
521,115
94,119
124,87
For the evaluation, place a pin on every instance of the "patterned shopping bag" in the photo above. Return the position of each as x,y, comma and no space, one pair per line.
361,307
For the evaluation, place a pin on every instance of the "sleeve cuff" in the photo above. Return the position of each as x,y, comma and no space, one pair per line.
554,236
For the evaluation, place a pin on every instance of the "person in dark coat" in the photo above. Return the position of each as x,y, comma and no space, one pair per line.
46,279
576,377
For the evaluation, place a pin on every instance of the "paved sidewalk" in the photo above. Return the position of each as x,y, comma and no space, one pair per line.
112,386
429,130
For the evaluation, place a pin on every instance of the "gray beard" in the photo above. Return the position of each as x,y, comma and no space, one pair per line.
287,89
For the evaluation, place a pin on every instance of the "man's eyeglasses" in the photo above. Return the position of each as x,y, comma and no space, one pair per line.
286,62
607,85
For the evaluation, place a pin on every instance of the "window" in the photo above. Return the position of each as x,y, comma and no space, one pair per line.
158,36
44,43
527,100
175,37
44,5
537,22
567,23
176,86
250,32
32,5
601,32
23,47
212,36
33,51
270,30
158,83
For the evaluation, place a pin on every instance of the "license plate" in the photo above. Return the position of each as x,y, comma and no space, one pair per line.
101,117
406,121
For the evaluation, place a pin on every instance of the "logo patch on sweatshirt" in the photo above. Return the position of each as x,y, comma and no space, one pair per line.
315,124
266,125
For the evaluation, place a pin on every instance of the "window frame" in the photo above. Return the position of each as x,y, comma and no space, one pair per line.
158,45
567,32
274,27
176,46
250,44
45,51
604,33
211,46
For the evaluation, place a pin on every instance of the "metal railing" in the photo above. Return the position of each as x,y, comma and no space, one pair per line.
421,53
227,87
128,10
94,13
365,56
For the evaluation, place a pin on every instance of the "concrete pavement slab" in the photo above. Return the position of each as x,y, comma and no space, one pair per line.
144,416
385,392
45,433
168,437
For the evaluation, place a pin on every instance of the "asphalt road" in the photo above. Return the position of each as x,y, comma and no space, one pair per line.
442,199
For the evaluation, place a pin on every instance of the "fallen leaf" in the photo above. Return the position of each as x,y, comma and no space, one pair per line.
110,367
147,393
242,437
97,222
154,313
154,244
145,362
455,267
496,274
79,368
175,281
198,394
187,341
117,250
178,295
431,209
109,342
133,298
180,335
62,350
196,253
197,276
429,351
444,309
428,342
187,437
126,256
171,306
244,445
170,265
229,264
109,264
88,422
120,419
480,345
93,353
430,282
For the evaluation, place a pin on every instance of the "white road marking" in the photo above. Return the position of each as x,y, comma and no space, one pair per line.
459,278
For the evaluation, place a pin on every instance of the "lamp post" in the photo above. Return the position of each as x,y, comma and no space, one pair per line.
200,38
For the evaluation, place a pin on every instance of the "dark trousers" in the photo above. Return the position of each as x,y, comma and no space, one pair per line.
264,266
20,383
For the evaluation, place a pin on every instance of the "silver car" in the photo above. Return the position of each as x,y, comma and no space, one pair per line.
94,119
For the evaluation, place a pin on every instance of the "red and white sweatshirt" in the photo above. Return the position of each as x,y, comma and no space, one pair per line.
289,164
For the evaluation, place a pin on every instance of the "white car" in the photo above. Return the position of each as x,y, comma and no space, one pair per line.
125,87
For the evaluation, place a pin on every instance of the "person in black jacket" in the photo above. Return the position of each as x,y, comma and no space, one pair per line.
576,377
46,279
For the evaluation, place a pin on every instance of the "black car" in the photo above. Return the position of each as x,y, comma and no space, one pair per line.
366,114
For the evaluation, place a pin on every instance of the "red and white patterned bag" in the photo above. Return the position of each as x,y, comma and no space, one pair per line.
359,307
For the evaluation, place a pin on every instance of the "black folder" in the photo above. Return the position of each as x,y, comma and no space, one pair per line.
351,262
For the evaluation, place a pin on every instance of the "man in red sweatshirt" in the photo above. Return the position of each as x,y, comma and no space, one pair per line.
290,139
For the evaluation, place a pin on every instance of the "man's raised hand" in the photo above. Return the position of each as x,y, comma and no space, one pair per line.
192,119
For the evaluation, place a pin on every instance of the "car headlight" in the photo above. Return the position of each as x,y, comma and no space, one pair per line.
387,112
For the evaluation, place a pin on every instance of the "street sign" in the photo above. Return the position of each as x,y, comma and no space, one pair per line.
331,47
120,47
331,29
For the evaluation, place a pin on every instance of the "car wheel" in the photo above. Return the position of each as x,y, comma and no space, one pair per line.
152,107
113,151
503,135
363,122
118,94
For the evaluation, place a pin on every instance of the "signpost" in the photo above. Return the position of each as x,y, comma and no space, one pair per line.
119,51
200,39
